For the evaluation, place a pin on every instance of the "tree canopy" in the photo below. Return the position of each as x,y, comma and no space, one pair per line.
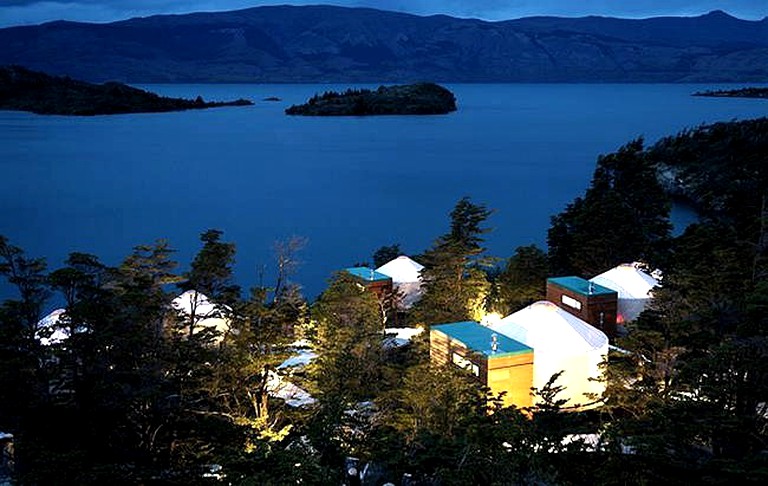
121,387
454,282
623,217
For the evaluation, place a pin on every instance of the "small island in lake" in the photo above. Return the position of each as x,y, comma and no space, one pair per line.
25,90
735,93
411,99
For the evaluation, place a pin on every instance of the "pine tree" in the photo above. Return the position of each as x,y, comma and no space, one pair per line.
385,254
212,268
24,387
349,368
454,283
29,278
522,281
623,217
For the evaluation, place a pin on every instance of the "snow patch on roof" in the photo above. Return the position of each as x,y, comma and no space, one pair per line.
302,358
400,336
294,396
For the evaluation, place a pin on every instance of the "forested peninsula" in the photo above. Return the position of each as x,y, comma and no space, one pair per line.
735,93
138,390
410,99
25,90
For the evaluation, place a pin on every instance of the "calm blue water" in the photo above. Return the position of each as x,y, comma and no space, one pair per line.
104,184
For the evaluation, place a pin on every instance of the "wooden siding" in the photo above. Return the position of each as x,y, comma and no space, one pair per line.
510,374
379,287
442,347
515,380
591,307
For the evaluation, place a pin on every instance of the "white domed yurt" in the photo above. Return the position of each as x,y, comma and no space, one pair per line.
634,286
207,314
51,329
560,342
406,278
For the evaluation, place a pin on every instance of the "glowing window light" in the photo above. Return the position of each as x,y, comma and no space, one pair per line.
571,302
466,364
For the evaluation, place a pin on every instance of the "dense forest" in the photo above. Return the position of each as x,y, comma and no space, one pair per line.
140,392
735,93
40,93
410,99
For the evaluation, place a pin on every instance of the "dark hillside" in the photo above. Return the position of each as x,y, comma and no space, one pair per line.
413,99
25,90
722,168
334,44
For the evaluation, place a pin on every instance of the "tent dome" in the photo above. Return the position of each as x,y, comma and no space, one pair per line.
561,342
51,329
544,325
192,299
402,270
406,277
634,286
629,280
207,314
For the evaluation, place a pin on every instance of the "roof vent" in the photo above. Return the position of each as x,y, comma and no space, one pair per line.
494,342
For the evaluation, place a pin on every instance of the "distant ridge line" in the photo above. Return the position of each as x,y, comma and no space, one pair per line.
317,44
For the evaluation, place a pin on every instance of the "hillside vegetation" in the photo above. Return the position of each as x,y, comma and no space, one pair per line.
413,99
141,393
735,93
25,90
314,44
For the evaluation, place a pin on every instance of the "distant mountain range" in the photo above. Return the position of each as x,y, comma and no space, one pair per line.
335,44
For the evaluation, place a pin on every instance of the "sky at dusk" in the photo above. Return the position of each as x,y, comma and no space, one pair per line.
21,12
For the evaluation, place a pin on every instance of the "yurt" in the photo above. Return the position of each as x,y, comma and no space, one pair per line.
560,342
634,286
406,278
51,329
207,314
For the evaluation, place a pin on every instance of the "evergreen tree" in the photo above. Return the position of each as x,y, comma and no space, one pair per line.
522,281
212,268
623,217
349,368
436,426
23,383
211,275
455,285
29,278
385,254
349,335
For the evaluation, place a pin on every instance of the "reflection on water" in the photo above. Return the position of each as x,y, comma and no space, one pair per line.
682,215
350,185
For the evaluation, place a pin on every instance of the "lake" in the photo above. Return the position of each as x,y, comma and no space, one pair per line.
349,185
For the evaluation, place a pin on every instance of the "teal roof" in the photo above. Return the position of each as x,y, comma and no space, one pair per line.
367,274
581,286
478,338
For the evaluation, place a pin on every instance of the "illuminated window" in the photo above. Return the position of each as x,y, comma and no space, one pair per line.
466,364
571,302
